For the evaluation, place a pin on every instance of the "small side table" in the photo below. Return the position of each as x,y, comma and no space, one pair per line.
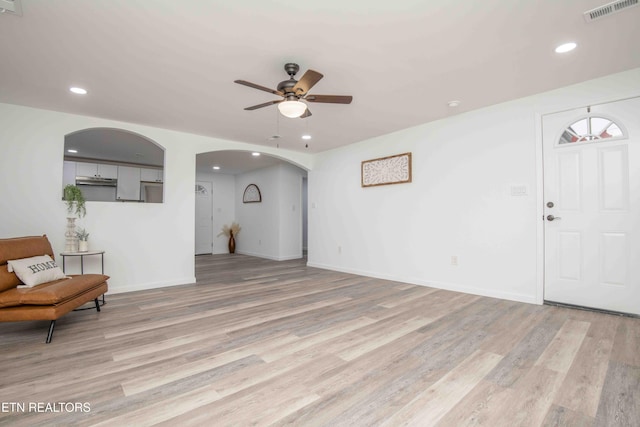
64,255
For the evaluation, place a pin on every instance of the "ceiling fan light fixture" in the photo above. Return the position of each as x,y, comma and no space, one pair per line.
292,109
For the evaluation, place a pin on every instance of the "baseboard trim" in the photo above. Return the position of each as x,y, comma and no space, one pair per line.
280,258
151,285
456,287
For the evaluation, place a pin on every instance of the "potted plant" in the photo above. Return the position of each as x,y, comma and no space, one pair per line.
74,199
76,208
83,240
230,232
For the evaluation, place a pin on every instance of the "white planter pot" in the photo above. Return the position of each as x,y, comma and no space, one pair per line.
83,246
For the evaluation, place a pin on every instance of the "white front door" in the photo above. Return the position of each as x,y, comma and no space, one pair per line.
204,218
592,206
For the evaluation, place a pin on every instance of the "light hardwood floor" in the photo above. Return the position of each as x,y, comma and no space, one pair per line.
258,342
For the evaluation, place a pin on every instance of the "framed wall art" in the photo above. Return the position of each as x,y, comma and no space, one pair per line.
386,170
251,194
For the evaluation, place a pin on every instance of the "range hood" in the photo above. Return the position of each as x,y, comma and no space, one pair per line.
92,180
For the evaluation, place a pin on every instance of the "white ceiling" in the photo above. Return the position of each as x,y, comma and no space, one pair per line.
233,162
171,64
113,145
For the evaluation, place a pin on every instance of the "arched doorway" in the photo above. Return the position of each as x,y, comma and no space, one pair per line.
272,227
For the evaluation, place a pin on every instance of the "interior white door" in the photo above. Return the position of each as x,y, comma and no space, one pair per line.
204,218
592,207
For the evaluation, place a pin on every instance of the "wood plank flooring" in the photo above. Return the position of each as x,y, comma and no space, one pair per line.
259,342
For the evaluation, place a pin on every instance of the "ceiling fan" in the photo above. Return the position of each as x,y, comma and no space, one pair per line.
294,92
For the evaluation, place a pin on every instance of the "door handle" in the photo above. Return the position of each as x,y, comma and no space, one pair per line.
552,218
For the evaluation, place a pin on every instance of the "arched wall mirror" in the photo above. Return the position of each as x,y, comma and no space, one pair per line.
114,165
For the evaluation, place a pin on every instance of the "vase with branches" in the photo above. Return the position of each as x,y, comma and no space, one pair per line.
230,231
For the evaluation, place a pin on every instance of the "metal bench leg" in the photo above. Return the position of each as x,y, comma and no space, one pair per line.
50,334
97,304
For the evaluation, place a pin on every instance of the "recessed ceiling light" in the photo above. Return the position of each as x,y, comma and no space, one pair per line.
255,154
306,136
78,90
216,168
453,104
566,47
72,151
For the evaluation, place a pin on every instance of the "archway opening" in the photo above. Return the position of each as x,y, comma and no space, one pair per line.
227,186
114,165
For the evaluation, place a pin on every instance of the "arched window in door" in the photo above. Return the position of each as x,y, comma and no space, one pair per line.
592,129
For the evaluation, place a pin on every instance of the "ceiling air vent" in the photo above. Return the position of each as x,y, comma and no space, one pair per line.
13,7
608,9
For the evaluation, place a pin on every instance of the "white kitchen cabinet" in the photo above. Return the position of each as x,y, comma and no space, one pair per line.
107,171
86,169
151,175
68,173
128,183
97,170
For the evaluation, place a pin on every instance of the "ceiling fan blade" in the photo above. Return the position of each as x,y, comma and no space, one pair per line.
255,86
308,80
331,99
266,104
306,113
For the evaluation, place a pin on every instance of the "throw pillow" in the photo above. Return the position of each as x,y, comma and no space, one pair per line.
36,270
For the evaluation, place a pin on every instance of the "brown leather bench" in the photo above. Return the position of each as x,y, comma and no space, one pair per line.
48,301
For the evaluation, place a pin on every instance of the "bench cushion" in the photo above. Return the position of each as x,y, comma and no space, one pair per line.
7,280
24,247
51,293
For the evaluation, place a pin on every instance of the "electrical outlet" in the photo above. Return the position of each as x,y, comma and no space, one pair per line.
454,260
259,241
339,249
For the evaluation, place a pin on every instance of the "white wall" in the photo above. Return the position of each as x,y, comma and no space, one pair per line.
224,208
305,214
273,228
459,202
147,245
290,211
